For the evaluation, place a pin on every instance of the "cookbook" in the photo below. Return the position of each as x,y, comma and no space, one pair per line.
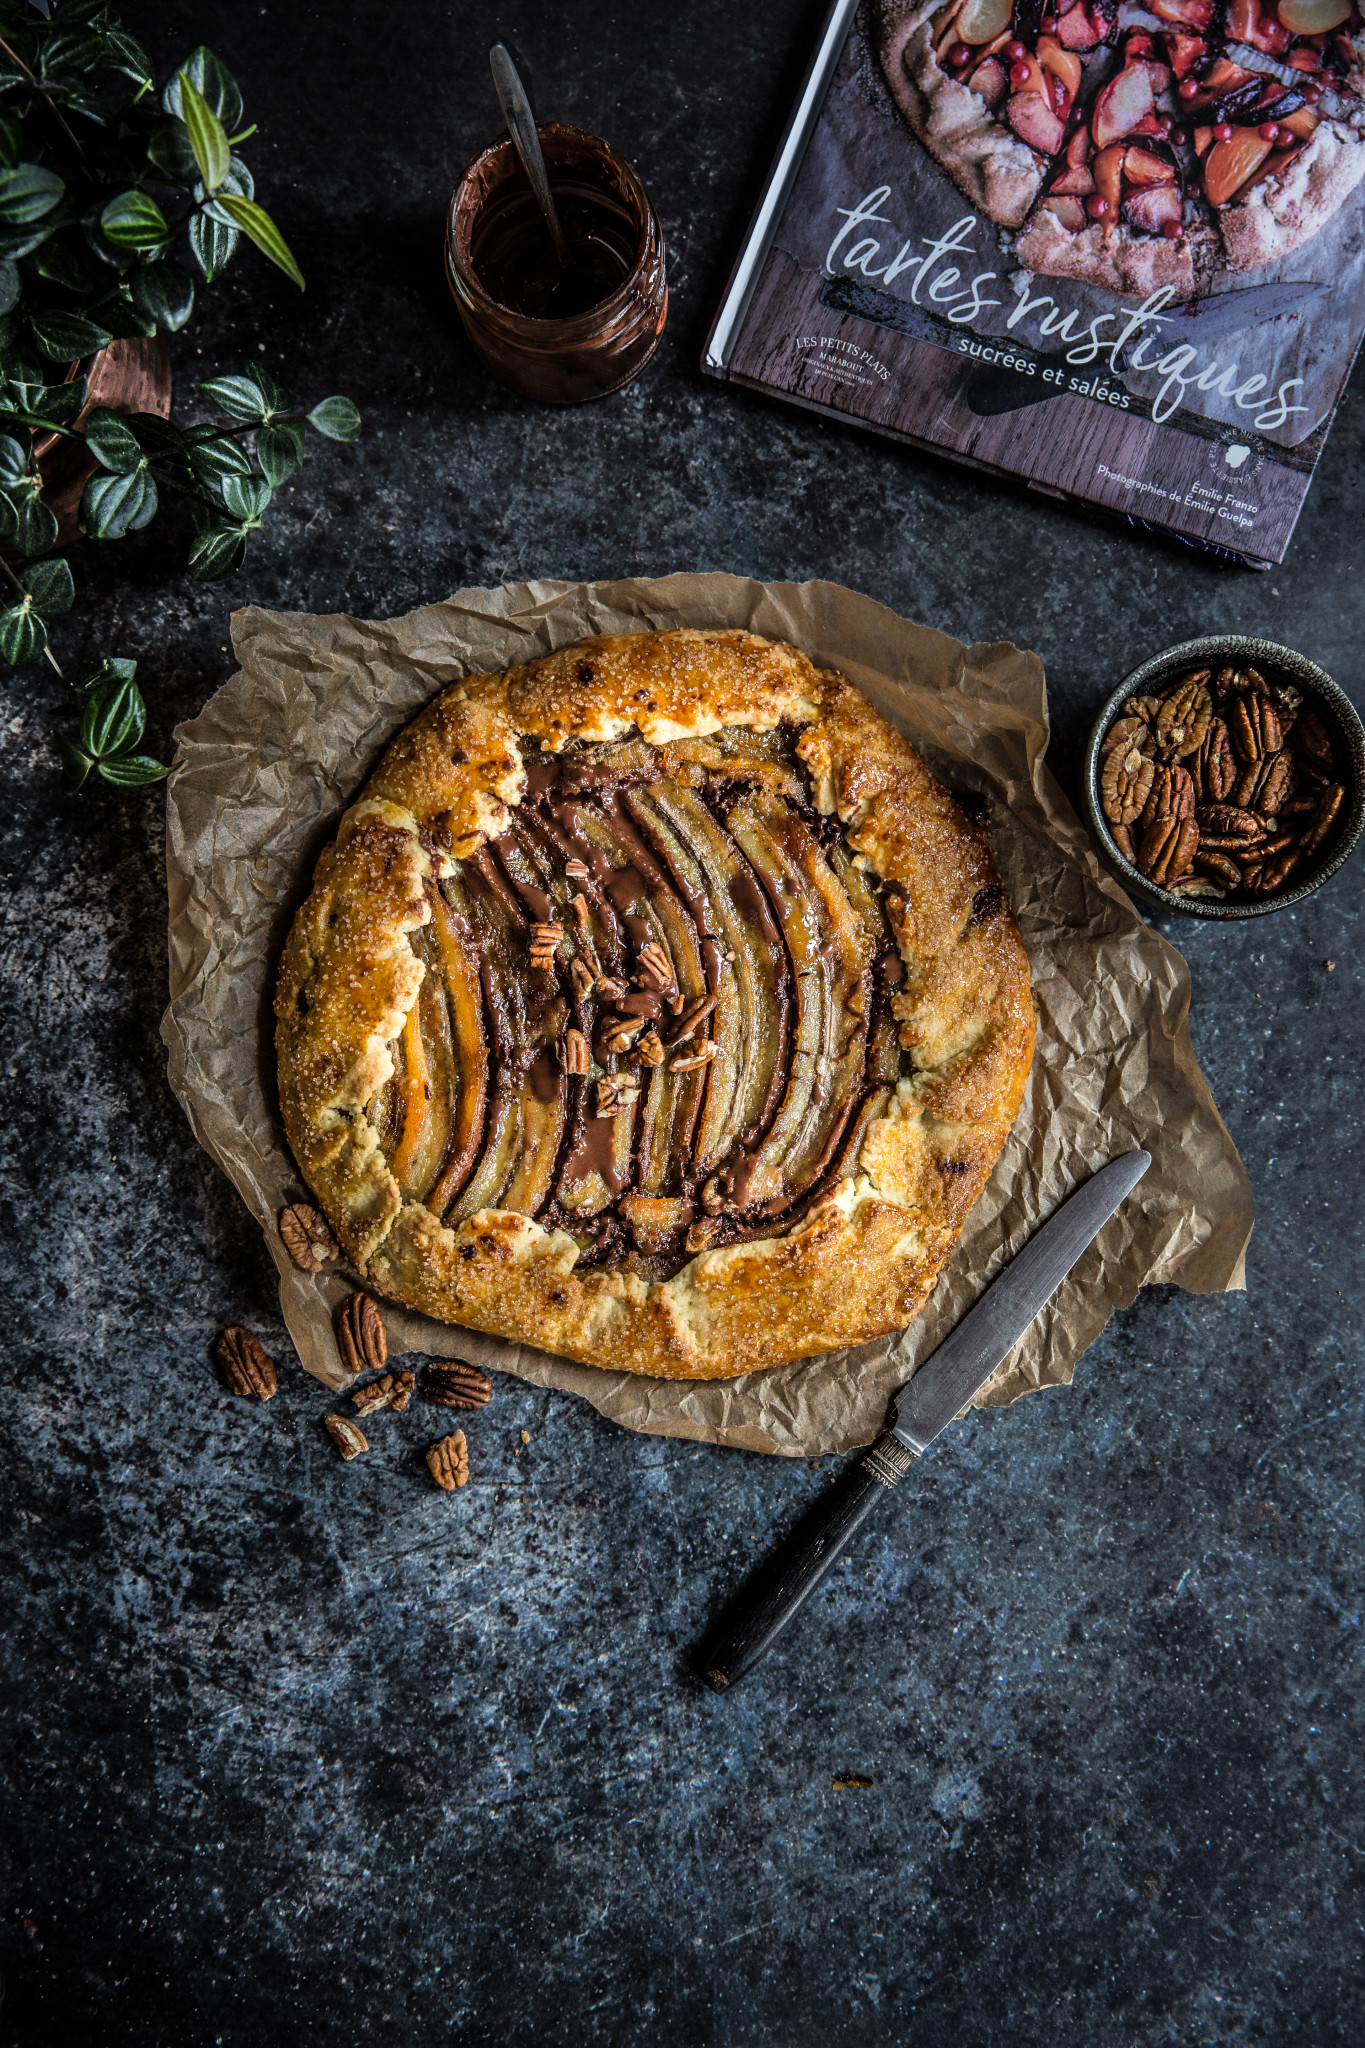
1113,250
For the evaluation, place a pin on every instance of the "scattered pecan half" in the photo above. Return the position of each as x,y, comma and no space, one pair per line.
1184,717
1167,849
361,1337
453,1384
1128,732
1226,821
1219,866
1333,797
615,1094
1273,874
543,939
1277,783
621,1033
582,977
1200,887
1125,784
394,1391
349,1439
1254,726
1216,764
448,1461
702,1057
1312,740
307,1237
656,969
1172,795
574,1051
245,1364
649,1049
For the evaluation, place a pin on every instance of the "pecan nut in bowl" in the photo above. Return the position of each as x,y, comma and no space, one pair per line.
1262,809
793,977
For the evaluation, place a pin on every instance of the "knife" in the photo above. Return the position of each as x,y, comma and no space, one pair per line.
925,1406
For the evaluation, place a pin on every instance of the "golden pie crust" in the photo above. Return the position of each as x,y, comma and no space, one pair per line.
765,868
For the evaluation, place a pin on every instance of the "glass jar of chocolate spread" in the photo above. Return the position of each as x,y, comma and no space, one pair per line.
558,334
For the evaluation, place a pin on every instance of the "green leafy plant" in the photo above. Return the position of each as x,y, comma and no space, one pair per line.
117,203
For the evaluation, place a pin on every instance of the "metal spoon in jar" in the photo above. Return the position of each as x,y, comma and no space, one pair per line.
521,126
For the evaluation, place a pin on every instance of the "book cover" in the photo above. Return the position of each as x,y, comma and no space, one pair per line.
1070,245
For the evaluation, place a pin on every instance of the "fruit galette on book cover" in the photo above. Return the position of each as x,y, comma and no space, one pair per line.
1138,147
654,1005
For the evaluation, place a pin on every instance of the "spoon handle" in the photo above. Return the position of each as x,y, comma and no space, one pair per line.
521,126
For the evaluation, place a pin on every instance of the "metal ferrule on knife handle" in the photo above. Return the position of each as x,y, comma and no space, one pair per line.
890,1459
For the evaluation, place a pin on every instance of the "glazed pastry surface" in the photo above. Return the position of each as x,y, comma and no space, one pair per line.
655,1005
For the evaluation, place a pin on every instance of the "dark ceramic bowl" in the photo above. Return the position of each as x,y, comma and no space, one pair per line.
1276,664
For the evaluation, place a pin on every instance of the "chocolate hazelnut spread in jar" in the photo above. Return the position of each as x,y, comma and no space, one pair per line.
561,334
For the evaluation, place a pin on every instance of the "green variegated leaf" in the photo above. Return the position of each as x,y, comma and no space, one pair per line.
133,220
215,83
59,403
246,497
123,53
65,337
255,222
75,766
211,461
61,260
70,49
114,669
114,719
217,552
20,242
131,771
13,459
241,398
164,294
207,137
337,418
35,528
279,450
112,441
51,586
276,397
27,193
213,243
114,505
121,316
170,150
22,633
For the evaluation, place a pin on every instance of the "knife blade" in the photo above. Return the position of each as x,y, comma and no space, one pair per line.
928,1402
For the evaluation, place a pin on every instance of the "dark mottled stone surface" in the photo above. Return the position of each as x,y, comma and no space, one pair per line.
298,1752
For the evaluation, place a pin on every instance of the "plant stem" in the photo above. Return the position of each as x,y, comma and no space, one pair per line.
51,105
23,593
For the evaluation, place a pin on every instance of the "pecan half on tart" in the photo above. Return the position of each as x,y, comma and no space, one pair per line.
654,1005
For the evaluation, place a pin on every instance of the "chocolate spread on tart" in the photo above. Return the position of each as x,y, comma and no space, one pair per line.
705,896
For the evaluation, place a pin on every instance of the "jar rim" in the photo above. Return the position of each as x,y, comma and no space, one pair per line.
578,327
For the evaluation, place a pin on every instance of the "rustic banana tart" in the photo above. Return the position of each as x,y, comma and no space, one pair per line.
655,1005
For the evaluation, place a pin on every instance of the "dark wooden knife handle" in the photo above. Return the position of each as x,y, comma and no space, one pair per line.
762,1609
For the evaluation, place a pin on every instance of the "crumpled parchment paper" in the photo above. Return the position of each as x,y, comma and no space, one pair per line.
266,769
